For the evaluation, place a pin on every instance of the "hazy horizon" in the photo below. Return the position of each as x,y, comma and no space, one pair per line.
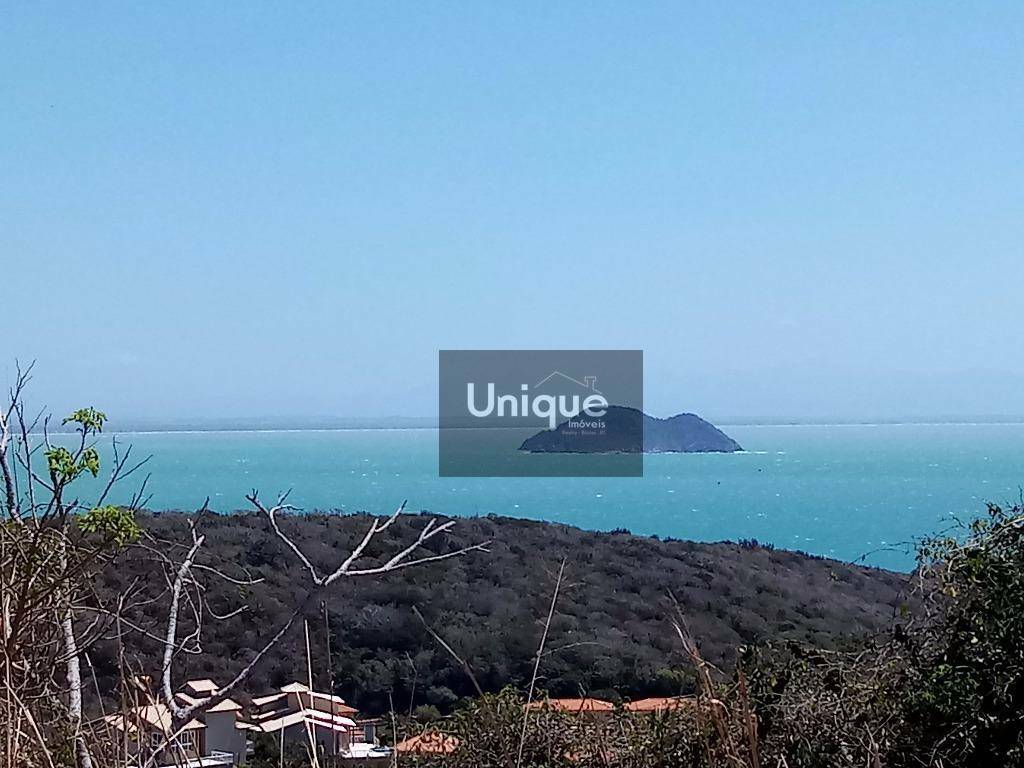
797,212
327,423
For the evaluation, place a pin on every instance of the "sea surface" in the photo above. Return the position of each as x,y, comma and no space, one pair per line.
859,492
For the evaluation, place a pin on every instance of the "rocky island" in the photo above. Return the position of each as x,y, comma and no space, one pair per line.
629,430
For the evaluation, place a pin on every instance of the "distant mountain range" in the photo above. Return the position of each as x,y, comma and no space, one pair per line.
627,429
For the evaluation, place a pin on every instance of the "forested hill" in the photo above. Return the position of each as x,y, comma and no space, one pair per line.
611,622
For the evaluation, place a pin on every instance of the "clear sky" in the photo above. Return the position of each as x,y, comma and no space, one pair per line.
810,209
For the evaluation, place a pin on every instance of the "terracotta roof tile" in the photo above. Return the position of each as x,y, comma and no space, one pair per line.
573,705
658,704
428,743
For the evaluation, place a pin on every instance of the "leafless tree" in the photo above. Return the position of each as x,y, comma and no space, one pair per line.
45,568
53,545
186,587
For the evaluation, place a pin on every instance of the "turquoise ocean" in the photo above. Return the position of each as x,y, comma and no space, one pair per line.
852,492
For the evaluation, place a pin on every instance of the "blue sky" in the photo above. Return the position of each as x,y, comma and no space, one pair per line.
809,210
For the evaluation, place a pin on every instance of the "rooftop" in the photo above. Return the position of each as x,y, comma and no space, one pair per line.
259,701
428,743
314,716
573,705
153,716
226,705
204,685
658,704
300,689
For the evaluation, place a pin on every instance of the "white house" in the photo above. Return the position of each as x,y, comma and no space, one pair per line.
224,732
296,712
214,739
146,732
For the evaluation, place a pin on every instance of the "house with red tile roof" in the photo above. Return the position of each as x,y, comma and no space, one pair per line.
584,706
428,743
659,704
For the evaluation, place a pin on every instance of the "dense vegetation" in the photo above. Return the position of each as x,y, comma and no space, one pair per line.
943,689
611,623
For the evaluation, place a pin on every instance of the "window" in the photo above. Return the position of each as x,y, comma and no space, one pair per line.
189,741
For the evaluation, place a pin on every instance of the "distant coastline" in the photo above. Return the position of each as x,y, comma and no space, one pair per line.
355,424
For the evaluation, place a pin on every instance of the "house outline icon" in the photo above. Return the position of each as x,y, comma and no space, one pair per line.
589,383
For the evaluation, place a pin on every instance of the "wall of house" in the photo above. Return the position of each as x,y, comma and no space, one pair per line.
326,738
187,745
222,736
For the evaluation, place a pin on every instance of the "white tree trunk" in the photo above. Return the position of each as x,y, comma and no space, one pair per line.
74,681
